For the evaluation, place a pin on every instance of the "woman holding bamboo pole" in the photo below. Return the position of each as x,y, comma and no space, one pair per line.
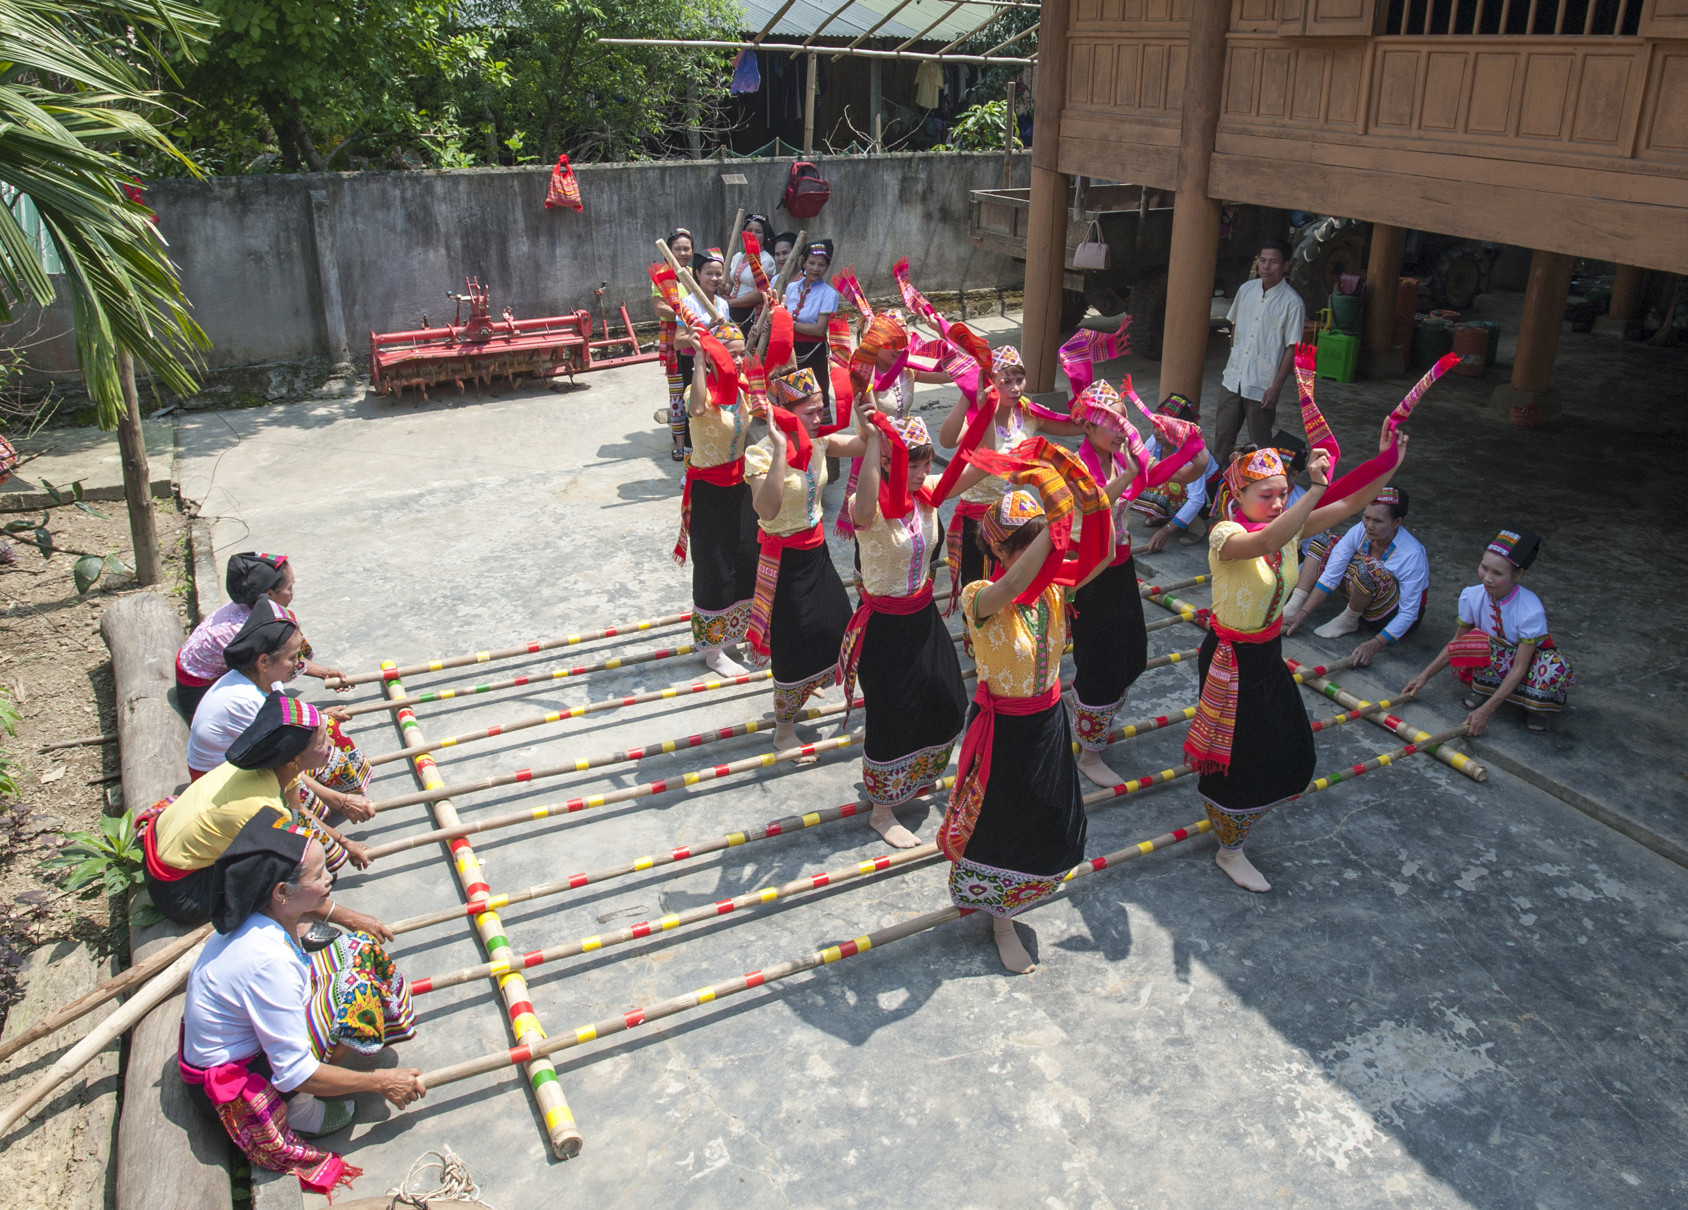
897,642
800,610
676,362
1250,741
745,298
717,519
1110,642
812,304
265,1028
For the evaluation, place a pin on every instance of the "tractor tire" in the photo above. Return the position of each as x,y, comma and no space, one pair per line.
1148,315
1459,277
1325,250
1073,308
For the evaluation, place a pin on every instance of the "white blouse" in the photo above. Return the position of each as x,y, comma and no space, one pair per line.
247,994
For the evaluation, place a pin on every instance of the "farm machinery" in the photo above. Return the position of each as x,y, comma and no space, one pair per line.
482,349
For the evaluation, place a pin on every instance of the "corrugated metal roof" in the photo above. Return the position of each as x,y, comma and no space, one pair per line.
805,16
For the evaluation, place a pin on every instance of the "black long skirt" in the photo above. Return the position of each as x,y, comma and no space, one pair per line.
973,563
724,551
184,900
1031,826
1272,753
915,703
1110,646
806,624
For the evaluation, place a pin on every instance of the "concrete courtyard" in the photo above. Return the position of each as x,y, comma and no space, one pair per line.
1458,995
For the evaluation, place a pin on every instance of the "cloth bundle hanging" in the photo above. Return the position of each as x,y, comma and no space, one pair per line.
1066,487
564,189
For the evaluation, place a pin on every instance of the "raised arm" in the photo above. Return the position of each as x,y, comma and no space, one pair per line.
866,506
1289,523
1015,580
767,492
1328,515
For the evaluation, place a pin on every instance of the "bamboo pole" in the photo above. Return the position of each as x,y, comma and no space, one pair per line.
564,1135
520,649
108,990
835,953
557,716
732,243
149,997
84,742
1455,760
793,260
687,280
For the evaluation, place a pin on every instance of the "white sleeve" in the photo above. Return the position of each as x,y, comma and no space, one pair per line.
275,1004
1532,621
1236,301
1413,575
1195,495
1468,602
1340,556
1295,319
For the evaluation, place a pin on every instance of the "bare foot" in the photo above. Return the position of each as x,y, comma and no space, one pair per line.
1241,871
1014,957
1096,769
885,823
785,739
718,662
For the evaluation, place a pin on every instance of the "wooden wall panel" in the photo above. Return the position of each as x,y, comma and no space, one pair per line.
1308,93
1274,83
1397,90
1603,96
1444,91
1347,77
1547,81
1241,79
1490,111
1668,131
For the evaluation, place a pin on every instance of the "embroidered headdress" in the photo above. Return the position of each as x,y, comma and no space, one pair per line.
1518,547
795,386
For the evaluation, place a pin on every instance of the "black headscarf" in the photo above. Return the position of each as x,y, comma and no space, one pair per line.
1180,407
265,632
1518,547
251,574
280,731
822,247
264,852
1293,448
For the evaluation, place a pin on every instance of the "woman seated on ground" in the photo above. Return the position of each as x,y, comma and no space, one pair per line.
200,662
1502,647
265,654
1380,568
181,838
266,1027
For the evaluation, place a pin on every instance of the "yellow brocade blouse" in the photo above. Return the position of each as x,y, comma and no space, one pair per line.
1248,593
192,832
1018,649
800,506
719,436
897,555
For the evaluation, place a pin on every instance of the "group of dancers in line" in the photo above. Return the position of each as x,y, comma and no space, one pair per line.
1039,555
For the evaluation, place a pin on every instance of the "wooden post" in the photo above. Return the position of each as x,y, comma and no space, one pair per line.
1383,271
694,136
809,105
1195,216
876,101
1626,292
1544,314
1046,222
1008,141
137,477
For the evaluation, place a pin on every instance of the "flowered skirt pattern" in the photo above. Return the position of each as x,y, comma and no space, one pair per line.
357,997
1160,504
910,680
1031,826
1544,688
1367,574
1110,650
724,552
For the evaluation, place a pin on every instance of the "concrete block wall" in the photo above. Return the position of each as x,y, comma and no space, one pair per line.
250,248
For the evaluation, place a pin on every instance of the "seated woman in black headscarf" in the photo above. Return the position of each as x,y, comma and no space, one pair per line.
182,838
265,1025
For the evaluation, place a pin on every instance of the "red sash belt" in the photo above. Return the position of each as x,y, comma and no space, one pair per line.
1207,746
851,653
155,865
973,767
725,475
768,576
964,510
184,677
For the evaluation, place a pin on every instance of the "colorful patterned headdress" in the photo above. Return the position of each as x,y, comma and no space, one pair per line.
1101,405
1003,357
1011,512
913,431
1518,547
710,254
727,330
1180,407
1249,468
820,247
1395,498
795,386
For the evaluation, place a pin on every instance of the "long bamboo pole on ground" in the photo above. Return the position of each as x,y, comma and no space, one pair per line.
633,1018
1456,760
627,700
520,776
514,652
108,990
564,1135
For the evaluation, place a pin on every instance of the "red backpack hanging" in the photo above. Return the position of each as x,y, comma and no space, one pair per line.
806,191
565,188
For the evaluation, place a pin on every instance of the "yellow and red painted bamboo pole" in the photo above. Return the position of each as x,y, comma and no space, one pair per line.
533,647
564,1135
877,939
1456,760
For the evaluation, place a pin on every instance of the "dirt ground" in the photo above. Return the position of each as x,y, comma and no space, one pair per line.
59,672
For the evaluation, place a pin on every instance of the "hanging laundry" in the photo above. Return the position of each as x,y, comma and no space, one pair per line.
928,84
747,76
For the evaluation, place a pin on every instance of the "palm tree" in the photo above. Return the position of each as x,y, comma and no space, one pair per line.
75,102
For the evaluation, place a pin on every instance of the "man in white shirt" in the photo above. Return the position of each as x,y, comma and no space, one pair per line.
1267,317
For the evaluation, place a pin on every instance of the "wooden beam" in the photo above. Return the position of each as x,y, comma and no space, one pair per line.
969,33
772,21
874,28
911,55
947,14
1030,29
830,18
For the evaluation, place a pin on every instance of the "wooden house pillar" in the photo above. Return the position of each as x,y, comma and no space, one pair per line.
1544,316
1194,252
1383,273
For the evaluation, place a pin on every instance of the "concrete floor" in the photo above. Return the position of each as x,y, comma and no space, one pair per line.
1458,994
